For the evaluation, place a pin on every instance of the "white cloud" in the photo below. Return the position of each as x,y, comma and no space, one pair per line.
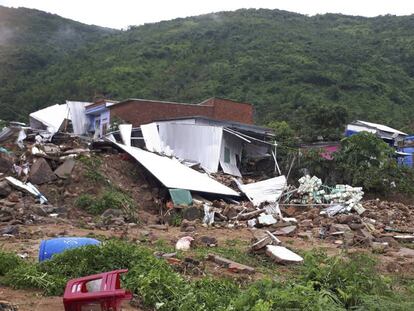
122,13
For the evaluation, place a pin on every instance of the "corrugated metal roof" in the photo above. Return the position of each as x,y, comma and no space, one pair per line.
382,127
173,174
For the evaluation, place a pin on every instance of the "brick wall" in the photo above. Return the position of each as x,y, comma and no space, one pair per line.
229,110
139,112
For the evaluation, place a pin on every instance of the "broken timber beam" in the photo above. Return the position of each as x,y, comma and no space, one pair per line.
250,215
231,265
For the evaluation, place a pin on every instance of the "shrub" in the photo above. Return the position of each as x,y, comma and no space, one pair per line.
111,198
29,276
8,262
84,201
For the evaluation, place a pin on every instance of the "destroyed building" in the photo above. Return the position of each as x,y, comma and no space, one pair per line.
143,111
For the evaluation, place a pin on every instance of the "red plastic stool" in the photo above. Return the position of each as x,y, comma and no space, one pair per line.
99,292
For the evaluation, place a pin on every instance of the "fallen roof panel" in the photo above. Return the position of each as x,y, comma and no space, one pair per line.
173,174
268,190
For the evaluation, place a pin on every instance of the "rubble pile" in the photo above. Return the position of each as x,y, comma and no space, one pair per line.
342,198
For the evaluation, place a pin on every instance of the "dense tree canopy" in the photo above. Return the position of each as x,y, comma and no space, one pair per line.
316,73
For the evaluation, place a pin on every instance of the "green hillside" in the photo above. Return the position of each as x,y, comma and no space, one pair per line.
30,41
314,72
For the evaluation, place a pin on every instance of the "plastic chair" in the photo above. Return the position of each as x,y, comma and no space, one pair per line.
99,292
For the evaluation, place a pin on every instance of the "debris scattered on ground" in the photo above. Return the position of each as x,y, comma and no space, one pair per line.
184,243
282,255
230,265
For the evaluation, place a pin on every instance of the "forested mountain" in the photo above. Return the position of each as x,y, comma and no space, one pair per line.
314,72
30,41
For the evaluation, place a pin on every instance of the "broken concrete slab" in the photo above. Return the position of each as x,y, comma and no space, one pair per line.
404,238
282,254
266,220
339,228
231,265
65,169
285,231
404,252
41,172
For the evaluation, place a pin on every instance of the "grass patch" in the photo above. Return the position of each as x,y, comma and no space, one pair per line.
92,165
321,283
111,198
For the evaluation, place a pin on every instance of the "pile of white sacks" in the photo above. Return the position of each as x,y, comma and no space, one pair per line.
344,198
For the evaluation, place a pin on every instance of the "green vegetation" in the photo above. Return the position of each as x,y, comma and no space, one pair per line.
31,41
322,283
111,198
364,160
92,165
313,72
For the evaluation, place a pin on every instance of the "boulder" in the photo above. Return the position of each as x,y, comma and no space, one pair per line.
41,172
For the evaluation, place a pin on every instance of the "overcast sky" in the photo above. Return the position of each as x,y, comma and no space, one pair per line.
123,13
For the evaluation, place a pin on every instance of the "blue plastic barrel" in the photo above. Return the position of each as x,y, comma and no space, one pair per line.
58,245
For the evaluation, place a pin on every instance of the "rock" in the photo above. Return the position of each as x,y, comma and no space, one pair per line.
282,254
379,247
192,213
404,252
345,219
390,240
7,306
289,230
290,211
305,235
306,223
187,226
5,189
41,172
10,230
112,212
339,228
13,197
39,210
5,215
354,226
230,212
6,163
208,241
363,237
65,169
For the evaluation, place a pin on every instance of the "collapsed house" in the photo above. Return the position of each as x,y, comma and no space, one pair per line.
68,117
386,133
205,142
102,113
